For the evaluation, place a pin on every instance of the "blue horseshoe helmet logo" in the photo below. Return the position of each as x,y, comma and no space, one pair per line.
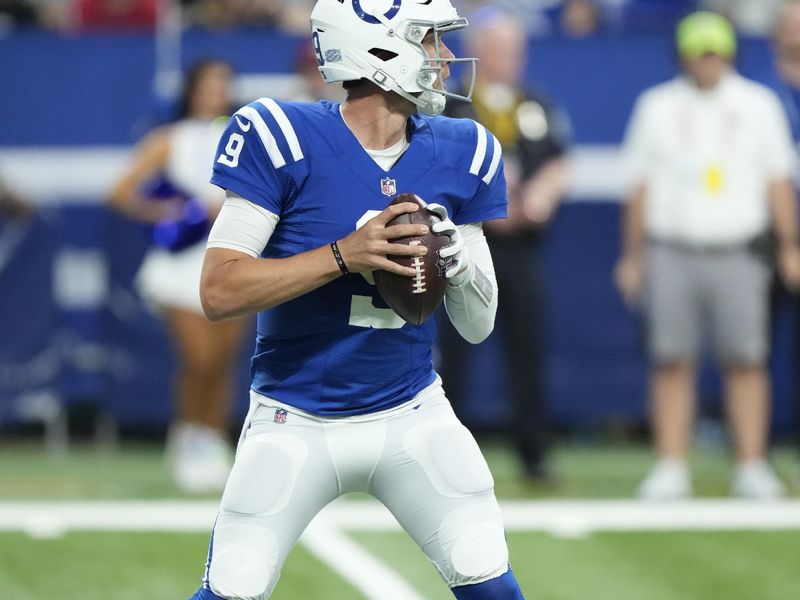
370,18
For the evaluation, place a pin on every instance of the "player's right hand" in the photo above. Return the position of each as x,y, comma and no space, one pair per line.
366,249
789,267
629,277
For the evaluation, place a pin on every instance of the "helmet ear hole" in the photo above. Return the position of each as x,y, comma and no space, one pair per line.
384,55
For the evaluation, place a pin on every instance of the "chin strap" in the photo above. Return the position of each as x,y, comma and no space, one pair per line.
431,103
428,102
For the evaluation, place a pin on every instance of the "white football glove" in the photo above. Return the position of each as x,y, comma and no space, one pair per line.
454,256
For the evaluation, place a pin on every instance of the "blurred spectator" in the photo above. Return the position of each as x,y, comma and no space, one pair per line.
115,14
749,17
533,134
649,14
167,184
545,17
295,16
711,162
786,53
13,206
786,82
580,18
537,17
16,13
231,13
16,215
59,15
292,16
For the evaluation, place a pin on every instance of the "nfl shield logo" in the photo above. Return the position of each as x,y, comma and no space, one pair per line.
388,187
280,415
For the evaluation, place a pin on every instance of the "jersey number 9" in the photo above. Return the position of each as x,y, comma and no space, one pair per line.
232,150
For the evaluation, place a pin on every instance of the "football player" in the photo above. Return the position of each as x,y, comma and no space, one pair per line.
344,396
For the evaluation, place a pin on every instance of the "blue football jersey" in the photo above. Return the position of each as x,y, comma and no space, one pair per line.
339,349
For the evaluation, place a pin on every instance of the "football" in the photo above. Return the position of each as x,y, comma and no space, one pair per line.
416,298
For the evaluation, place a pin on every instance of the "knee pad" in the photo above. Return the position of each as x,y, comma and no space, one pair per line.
244,562
473,543
504,587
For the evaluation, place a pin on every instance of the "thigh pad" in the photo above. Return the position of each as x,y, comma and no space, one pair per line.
450,457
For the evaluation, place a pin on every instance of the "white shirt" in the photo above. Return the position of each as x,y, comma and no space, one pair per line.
706,159
193,146
386,159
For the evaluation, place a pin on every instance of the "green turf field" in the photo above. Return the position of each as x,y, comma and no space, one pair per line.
608,566
673,565
138,471
136,566
629,566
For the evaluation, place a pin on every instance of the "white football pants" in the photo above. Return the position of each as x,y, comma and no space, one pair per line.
417,459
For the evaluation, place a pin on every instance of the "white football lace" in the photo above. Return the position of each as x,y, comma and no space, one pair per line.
419,279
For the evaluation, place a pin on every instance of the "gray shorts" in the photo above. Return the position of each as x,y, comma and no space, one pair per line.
697,295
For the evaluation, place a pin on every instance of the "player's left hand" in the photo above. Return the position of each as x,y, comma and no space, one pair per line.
456,250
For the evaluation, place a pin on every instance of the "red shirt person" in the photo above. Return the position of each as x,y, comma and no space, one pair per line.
116,14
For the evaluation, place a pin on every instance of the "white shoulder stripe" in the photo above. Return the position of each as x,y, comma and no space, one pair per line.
480,151
264,133
285,125
498,152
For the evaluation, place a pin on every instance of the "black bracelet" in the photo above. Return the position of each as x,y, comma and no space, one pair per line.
339,260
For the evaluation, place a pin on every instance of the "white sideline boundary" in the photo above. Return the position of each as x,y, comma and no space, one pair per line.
327,538
551,516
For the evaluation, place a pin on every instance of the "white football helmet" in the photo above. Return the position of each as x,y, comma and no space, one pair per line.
381,41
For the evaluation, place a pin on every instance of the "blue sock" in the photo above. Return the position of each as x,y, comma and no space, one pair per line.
504,587
205,594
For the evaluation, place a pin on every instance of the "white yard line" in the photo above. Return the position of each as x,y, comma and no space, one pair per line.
326,536
576,517
362,570
45,519
553,516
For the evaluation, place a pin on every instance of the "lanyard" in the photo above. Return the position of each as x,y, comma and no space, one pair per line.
712,172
